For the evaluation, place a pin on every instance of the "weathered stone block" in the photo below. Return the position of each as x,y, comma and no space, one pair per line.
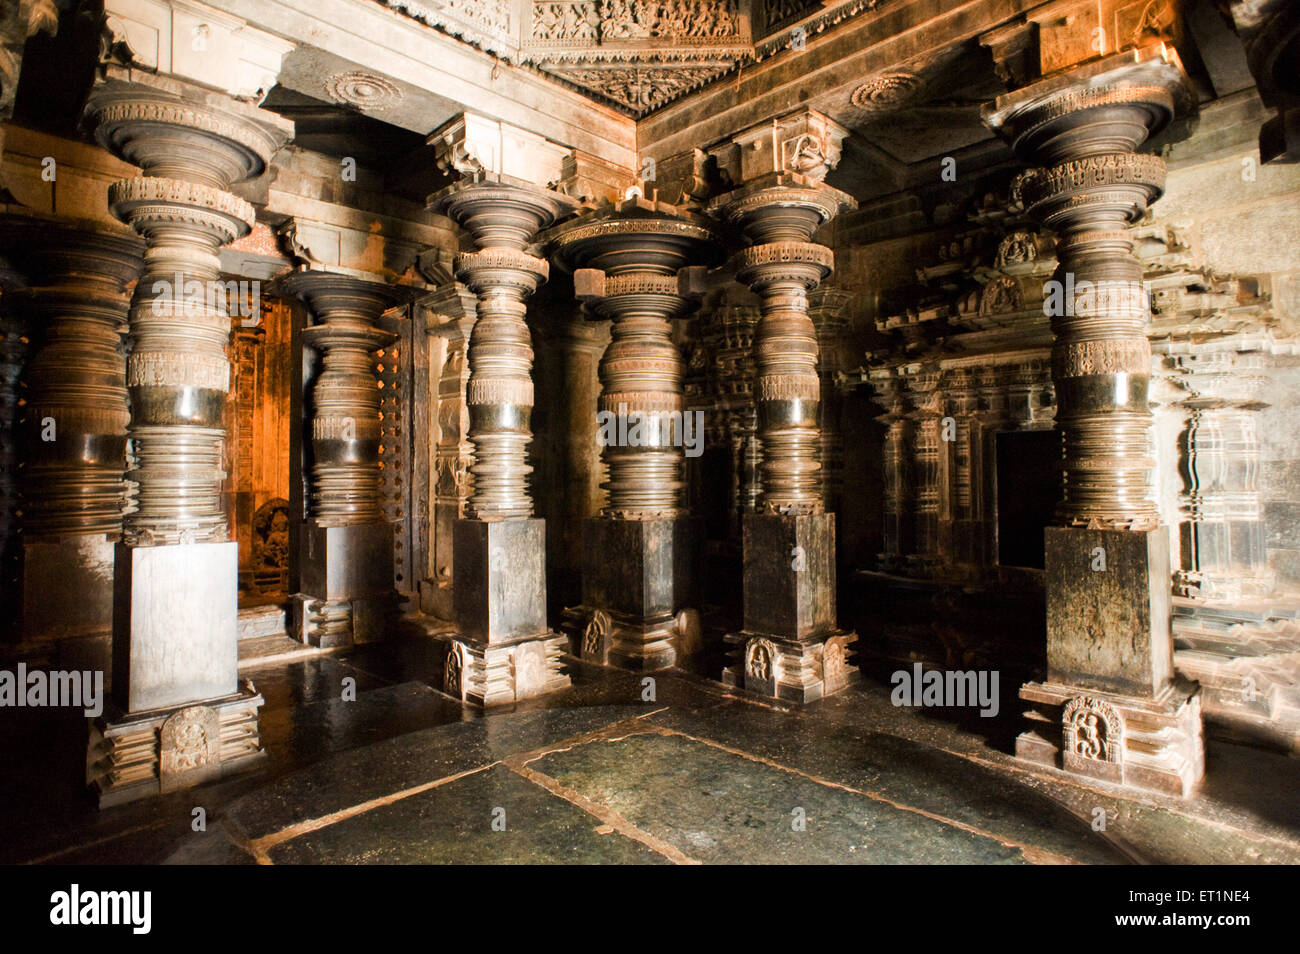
1108,595
67,587
789,574
641,568
500,569
175,624
346,562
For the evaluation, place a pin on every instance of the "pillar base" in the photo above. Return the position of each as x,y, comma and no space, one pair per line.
142,754
492,675
503,650
347,585
792,670
1136,742
67,587
636,583
175,633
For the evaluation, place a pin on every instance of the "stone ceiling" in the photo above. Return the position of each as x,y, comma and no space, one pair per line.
637,55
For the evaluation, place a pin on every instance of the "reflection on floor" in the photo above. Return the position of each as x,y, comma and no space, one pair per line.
619,771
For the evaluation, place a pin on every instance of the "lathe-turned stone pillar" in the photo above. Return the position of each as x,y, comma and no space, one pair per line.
791,647
1112,707
347,544
635,264
180,714
503,649
79,278
826,307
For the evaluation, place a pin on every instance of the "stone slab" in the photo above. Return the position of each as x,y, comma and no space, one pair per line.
789,574
500,571
1108,628
175,624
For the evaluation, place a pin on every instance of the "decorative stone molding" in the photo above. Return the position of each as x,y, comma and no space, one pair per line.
628,261
366,91
888,90
191,146
1101,359
77,299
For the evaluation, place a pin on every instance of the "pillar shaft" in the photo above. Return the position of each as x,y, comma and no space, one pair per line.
76,409
190,152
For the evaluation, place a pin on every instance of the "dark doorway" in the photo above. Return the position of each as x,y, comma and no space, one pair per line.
1029,486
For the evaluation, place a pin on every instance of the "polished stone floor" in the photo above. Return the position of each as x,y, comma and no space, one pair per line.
616,770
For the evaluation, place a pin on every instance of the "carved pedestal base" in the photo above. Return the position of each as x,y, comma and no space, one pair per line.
636,582
503,650
1126,740
347,582
164,750
791,647
494,675
790,669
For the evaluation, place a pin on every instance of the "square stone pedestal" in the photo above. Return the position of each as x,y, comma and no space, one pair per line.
503,650
1111,708
791,647
347,584
179,713
637,578
67,587
140,754
175,629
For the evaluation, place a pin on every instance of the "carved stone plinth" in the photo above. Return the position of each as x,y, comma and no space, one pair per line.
632,265
790,647
156,751
1145,742
636,588
503,650
347,583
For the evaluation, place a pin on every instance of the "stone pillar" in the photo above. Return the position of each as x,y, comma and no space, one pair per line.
573,346
347,544
826,307
13,357
503,649
633,266
790,647
925,411
180,713
77,297
887,393
449,319
1111,707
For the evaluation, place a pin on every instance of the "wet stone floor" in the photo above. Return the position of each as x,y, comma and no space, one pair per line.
618,771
